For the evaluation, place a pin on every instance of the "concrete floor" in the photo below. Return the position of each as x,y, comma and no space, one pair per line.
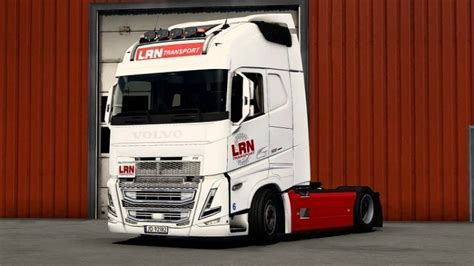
89,242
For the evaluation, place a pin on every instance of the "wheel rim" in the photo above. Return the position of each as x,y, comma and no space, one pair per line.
270,217
367,209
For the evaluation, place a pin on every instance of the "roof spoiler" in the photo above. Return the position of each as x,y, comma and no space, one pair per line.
274,32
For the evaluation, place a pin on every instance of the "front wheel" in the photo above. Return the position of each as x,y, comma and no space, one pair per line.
264,217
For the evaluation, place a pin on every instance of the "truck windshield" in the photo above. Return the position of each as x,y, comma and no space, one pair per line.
175,97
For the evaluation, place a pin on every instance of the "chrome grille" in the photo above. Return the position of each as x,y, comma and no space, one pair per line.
131,205
159,199
159,196
167,168
169,179
160,185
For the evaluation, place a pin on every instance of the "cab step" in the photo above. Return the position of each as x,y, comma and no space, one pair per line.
237,229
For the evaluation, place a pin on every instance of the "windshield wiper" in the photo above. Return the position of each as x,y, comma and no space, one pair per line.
136,117
186,115
197,117
184,111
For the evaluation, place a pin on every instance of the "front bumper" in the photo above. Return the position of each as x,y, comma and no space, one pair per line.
215,225
222,230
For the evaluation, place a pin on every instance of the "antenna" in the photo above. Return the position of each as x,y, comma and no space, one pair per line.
156,23
225,26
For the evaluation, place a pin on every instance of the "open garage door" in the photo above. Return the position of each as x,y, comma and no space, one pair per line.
118,30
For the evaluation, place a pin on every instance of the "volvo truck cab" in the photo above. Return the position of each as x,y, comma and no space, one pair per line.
209,137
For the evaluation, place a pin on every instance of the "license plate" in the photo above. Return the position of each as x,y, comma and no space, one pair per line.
156,229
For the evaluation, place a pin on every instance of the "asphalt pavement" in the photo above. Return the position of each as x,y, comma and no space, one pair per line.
87,242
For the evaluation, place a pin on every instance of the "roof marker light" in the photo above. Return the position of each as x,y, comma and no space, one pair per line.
176,33
189,31
162,34
150,35
194,32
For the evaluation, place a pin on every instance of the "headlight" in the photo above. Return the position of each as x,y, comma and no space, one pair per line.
111,207
207,210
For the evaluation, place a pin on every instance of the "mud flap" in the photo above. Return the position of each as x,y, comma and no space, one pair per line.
378,211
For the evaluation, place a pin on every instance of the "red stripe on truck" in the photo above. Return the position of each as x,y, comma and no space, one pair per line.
167,51
324,210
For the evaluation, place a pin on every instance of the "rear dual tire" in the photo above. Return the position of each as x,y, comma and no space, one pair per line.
364,210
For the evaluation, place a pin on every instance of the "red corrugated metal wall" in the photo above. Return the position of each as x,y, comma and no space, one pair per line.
390,103
43,99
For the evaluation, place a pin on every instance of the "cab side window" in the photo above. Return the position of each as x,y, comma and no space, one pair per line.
236,99
257,101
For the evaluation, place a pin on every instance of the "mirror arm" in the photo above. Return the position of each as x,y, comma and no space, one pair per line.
108,107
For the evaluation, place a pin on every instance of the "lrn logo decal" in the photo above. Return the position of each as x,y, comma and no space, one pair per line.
242,148
165,51
126,170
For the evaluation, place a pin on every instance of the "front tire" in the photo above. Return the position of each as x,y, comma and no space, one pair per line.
264,217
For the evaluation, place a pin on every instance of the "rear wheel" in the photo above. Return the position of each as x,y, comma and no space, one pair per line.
264,217
364,210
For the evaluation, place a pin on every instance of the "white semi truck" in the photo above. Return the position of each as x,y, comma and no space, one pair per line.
209,137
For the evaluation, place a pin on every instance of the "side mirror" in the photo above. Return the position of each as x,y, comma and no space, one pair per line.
247,89
108,106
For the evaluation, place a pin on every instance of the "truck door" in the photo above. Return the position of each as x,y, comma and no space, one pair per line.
280,114
248,148
248,143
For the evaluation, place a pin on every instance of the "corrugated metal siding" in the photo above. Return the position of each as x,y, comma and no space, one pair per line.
390,103
43,140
